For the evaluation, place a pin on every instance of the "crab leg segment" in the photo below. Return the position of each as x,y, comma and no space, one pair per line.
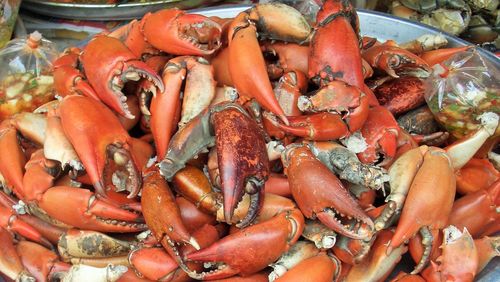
319,193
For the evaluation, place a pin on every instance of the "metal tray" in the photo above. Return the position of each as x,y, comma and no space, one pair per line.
98,12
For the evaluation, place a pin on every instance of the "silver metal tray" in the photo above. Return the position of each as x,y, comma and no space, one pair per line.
98,12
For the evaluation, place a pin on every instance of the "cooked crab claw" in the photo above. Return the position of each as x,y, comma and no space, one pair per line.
108,65
103,146
81,208
163,216
319,193
251,249
176,32
243,162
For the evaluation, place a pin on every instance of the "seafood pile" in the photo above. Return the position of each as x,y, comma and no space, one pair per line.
476,21
256,148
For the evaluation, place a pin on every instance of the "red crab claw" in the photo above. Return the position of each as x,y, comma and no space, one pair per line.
237,253
378,265
108,65
10,262
288,90
274,20
158,199
42,263
335,42
319,193
476,211
197,76
10,221
396,61
82,209
103,146
242,156
429,201
175,32
380,132
339,97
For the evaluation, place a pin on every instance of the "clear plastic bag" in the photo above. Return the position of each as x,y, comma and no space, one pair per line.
462,89
26,74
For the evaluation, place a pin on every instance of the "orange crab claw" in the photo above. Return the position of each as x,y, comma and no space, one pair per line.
176,32
108,65
238,253
244,51
440,55
335,42
81,209
168,230
199,90
429,201
319,193
104,147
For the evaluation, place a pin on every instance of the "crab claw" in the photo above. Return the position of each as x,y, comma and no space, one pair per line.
175,32
237,253
158,201
396,61
243,162
319,193
108,65
103,146
380,132
80,208
274,20
11,222
242,158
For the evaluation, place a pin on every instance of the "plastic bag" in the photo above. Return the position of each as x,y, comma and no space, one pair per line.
26,74
461,90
